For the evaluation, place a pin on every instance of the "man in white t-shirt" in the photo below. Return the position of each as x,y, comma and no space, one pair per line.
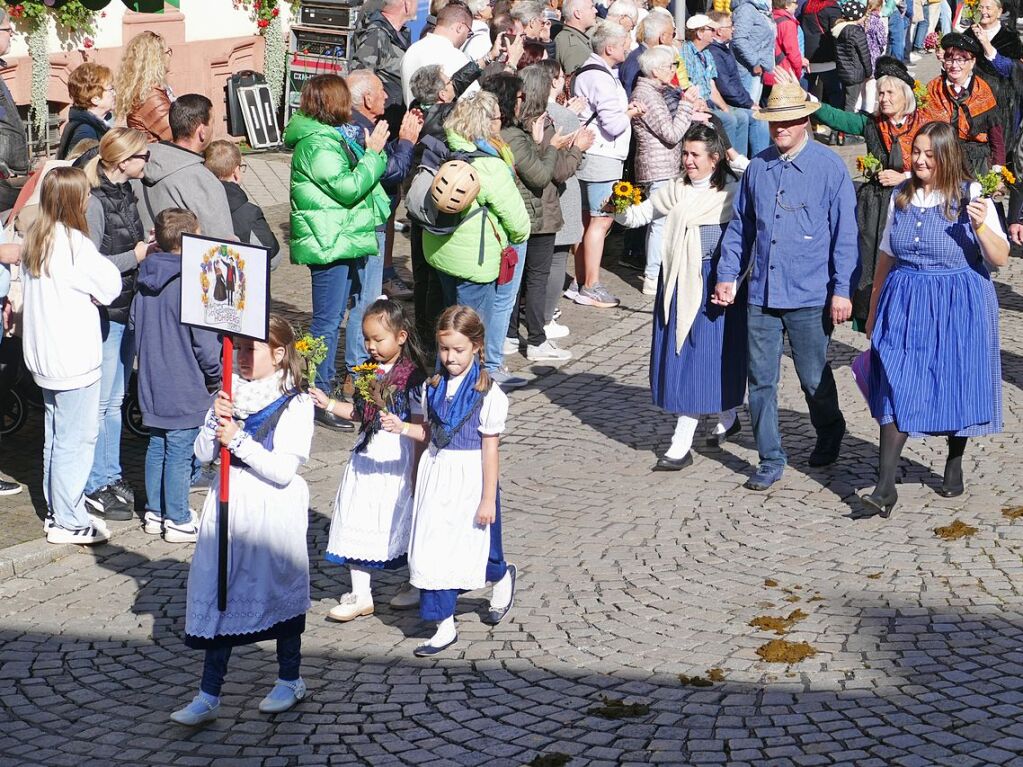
442,46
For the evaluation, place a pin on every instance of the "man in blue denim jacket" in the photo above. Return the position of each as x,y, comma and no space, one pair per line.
794,236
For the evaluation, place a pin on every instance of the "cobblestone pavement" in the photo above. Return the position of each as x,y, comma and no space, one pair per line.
627,580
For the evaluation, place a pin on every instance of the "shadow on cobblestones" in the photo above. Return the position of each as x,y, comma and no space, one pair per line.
909,686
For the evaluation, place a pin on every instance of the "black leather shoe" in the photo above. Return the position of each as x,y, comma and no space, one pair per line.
426,649
717,440
878,505
828,447
331,421
952,484
494,617
673,464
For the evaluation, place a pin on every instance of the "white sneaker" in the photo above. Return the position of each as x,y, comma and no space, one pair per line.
572,291
553,330
350,607
152,523
557,315
548,351
406,598
511,346
181,532
50,522
649,286
85,536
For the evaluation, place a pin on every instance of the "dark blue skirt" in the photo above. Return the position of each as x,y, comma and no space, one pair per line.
709,375
935,364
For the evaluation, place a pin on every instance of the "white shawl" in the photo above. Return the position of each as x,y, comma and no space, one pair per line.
687,208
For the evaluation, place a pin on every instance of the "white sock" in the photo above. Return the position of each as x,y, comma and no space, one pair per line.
360,582
682,439
502,593
445,632
725,421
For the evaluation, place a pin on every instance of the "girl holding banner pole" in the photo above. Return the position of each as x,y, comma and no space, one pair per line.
267,427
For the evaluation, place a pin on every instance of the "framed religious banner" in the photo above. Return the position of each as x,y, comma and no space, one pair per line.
225,286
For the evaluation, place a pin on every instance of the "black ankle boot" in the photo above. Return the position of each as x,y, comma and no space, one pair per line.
882,501
952,482
881,504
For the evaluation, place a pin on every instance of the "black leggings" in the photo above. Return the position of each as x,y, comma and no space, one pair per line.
539,253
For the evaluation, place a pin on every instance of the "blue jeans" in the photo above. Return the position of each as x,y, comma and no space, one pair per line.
332,284
809,332
214,667
506,301
736,123
920,28
479,296
170,463
118,356
655,238
71,428
897,26
945,17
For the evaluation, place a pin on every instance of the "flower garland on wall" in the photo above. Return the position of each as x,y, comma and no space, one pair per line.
32,18
267,15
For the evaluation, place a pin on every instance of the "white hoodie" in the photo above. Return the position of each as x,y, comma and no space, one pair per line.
63,345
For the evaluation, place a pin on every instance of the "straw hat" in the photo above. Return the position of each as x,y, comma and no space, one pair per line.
787,102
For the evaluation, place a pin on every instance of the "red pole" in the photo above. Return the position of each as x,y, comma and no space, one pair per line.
225,478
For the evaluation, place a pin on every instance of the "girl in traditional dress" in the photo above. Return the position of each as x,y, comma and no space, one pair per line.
373,508
698,359
933,324
456,522
268,427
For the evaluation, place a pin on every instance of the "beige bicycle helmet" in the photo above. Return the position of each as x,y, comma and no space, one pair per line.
455,186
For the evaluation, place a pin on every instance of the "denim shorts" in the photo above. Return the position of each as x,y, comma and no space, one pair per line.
595,194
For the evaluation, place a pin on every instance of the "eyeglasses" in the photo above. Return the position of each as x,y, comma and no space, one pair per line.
8,30
144,157
957,59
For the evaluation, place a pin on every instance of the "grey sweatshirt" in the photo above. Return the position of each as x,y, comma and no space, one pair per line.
177,178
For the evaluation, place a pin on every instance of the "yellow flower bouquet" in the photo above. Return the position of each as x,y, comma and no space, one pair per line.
995,183
624,195
868,166
313,351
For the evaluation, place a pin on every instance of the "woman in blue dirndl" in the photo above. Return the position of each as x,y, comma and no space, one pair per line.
698,353
933,324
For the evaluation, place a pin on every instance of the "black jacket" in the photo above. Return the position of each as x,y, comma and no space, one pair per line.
398,151
435,114
81,126
122,231
248,220
819,44
852,58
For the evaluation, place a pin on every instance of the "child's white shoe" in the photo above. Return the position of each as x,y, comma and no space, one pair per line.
203,708
406,598
152,523
283,696
351,607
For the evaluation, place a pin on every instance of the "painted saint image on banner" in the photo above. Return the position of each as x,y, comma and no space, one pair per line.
223,285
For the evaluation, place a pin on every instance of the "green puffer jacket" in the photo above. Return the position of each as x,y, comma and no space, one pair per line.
335,207
507,220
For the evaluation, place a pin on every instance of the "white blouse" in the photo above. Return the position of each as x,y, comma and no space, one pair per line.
929,200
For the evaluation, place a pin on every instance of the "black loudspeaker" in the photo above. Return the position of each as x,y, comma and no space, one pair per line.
235,111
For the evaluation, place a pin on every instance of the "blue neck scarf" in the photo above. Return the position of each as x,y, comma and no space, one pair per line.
462,406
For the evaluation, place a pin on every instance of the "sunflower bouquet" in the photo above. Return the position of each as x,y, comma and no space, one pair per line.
868,166
970,14
364,379
624,195
920,94
995,183
313,351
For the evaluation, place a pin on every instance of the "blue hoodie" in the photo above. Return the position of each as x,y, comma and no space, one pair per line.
178,366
